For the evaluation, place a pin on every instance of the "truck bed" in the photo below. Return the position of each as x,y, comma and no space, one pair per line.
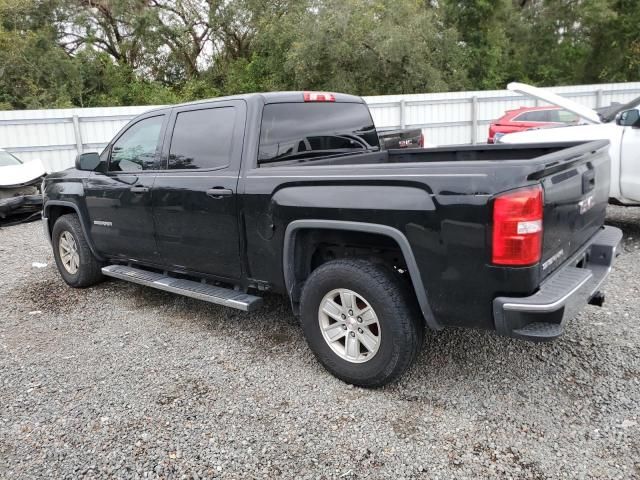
457,153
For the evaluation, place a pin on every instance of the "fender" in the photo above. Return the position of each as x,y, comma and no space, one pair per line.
288,257
75,207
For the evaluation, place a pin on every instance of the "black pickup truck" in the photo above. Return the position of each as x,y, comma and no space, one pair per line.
291,193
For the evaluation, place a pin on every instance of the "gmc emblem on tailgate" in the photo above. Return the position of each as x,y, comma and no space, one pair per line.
586,204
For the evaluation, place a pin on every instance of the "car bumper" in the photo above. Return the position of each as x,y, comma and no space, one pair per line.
562,295
20,204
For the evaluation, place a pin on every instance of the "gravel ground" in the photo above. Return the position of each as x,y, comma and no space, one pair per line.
124,381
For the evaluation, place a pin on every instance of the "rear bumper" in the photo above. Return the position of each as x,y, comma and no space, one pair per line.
561,296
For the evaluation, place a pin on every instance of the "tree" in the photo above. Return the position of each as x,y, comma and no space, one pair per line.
615,55
556,40
484,30
372,47
34,71
123,52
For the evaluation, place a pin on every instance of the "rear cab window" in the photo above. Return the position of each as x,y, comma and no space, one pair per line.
300,131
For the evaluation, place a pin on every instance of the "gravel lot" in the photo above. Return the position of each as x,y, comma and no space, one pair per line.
124,381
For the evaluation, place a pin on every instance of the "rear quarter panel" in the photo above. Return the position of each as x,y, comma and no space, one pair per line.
442,210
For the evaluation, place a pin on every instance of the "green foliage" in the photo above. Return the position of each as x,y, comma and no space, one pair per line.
615,54
59,53
373,47
559,40
484,27
34,71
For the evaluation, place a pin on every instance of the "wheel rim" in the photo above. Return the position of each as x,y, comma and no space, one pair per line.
69,255
349,325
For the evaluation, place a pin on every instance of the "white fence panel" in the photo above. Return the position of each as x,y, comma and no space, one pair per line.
55,136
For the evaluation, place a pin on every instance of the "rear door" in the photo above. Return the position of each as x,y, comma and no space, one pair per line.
195,195
576,194
119,199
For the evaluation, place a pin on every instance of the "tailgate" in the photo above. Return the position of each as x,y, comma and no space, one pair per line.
576,194
402,138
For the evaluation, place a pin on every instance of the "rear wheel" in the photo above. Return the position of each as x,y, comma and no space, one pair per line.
76,264
360,321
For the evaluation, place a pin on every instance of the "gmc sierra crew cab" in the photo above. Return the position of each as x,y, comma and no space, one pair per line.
290,192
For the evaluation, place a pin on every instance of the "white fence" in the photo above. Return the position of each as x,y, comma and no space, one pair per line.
55,136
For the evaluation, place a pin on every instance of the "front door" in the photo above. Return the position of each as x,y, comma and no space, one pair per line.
119,199
195,198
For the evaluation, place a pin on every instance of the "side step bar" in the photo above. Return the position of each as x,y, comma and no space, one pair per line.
188,288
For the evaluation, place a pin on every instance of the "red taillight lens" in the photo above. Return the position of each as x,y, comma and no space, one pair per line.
517,227
319,97
421,141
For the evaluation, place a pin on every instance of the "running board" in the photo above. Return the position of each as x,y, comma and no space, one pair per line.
188,288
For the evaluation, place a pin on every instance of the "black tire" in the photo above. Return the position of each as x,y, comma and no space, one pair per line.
89,269
401,326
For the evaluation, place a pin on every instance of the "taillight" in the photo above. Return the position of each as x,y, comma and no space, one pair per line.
319,97
517,227
421,141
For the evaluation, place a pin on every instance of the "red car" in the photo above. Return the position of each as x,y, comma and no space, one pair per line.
526,118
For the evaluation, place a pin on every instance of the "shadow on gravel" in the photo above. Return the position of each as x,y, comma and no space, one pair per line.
626,219
462,356
273,323
454,356
145,297
47,295
629,227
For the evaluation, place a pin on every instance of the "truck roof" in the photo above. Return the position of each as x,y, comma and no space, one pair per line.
293,97
271,97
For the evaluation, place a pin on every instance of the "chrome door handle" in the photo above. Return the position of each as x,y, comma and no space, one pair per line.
219,192
139,189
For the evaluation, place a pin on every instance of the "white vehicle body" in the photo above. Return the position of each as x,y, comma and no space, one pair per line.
21,173
624,140
20,187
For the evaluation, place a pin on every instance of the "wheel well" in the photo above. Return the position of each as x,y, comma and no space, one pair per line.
314,247
56,211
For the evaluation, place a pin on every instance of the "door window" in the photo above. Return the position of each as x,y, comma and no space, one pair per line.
533,116
554,115
565,116
136,149
202,138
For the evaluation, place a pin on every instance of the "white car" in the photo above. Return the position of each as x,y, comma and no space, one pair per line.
621,126
20,186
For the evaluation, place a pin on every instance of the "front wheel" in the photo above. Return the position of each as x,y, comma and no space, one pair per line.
76,264
360,321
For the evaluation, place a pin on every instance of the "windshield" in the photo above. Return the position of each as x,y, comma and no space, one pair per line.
6,159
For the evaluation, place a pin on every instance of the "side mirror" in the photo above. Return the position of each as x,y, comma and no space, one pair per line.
87,161
629,118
